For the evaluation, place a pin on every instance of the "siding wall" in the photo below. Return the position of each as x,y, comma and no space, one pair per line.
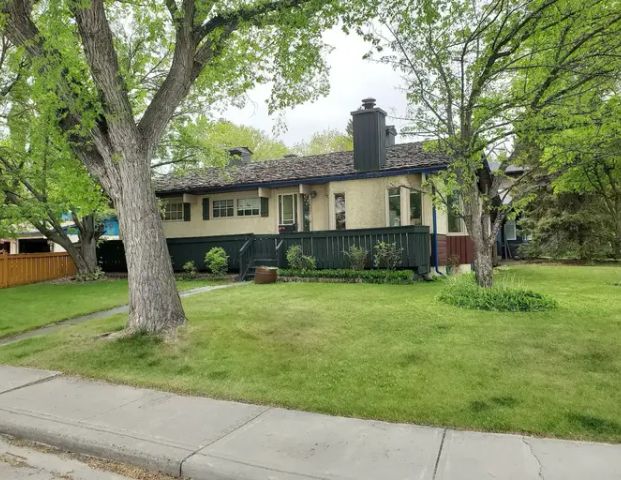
365,202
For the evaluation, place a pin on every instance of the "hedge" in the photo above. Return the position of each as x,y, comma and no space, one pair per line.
353,276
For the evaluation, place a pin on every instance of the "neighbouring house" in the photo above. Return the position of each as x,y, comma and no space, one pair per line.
326,203
510,237
30,240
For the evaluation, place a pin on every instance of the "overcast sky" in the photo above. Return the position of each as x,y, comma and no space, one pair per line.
351,79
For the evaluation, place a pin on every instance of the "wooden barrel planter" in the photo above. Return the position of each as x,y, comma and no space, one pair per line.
266,275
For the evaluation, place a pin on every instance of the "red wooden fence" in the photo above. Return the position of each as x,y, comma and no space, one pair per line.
461,247
34,267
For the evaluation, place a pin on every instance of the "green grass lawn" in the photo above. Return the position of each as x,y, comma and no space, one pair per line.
30,306
390,352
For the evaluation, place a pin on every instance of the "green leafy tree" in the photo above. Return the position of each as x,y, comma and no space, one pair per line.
202,143
41,181
485,79
585,162
327,141
116,73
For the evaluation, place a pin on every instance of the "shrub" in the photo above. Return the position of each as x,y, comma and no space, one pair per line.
364,276
452,264
298,261
217,261
464,292
96,274
357,257
387,256
189,270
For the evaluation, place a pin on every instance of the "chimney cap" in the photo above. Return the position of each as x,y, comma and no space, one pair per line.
368,103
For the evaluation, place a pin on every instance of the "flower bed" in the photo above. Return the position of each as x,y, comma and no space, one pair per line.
347,276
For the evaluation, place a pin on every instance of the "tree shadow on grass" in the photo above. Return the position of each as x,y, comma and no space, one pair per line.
595,424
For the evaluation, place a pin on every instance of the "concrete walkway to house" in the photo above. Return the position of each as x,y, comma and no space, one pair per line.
37,332
210,439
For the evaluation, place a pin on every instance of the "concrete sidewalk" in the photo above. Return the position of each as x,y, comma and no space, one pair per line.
216,440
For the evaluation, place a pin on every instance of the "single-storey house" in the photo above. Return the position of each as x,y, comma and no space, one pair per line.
375,192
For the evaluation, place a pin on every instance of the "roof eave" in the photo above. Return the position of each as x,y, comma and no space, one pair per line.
309,180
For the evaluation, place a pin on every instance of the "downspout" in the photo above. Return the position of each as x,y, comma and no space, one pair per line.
435,237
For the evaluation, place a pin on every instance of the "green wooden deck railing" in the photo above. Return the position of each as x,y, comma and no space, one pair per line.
328,247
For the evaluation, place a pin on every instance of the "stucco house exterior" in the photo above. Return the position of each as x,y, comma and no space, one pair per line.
378,185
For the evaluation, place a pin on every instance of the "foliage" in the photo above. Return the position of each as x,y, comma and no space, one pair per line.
42,183
327,141
113,75
487,79
298,261
387,255
452,264
199,143
463,291
357,257
217,261
189,270
584,163
363,276
96,274
566,226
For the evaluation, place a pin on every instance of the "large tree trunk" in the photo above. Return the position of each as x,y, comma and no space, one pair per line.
154,303
83,253
479,228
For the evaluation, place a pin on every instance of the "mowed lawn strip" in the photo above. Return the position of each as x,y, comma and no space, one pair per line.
27,307
389,352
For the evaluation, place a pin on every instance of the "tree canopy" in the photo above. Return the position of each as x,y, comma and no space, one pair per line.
486,79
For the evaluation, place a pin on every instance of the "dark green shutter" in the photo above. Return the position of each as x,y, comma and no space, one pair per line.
186,212
205,209
265,207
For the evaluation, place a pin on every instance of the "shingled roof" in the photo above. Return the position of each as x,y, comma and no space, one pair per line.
400,158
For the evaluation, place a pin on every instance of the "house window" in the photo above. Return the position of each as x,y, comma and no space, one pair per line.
394,207
173,209
223,208
306,213
339,211
510,230
247,207
287,209
454,220
416,208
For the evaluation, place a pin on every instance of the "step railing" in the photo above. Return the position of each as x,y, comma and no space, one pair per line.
246,257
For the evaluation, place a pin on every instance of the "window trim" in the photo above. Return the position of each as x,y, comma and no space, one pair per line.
344,210
219,209
422,214
252,209
449,212
388,197
167,203
293,208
